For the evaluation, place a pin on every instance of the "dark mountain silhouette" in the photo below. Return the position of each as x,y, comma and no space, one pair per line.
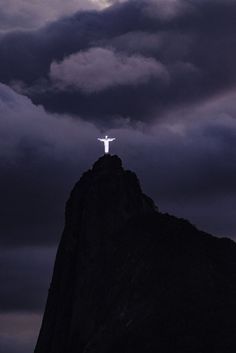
129,279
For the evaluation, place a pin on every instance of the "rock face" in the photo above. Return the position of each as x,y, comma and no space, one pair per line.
128,279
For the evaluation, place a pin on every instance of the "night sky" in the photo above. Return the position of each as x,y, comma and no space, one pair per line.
159,75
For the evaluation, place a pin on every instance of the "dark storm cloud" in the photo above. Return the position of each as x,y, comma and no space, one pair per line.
25,274
189,169
193,40
185,162
27,14
41,157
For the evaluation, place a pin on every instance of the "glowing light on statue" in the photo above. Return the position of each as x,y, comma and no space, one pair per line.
106,140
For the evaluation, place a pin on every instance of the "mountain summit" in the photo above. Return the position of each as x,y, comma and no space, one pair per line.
129,279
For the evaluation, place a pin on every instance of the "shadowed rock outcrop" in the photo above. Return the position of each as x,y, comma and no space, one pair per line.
128,279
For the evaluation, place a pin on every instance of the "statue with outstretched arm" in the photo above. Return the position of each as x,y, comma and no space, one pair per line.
106,140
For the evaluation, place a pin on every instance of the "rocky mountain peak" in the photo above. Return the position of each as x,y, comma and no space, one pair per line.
108,163
108,195
130,279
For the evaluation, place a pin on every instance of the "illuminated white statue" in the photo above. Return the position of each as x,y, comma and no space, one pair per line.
106,142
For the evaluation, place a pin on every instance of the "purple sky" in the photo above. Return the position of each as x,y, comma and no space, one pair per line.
158,75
